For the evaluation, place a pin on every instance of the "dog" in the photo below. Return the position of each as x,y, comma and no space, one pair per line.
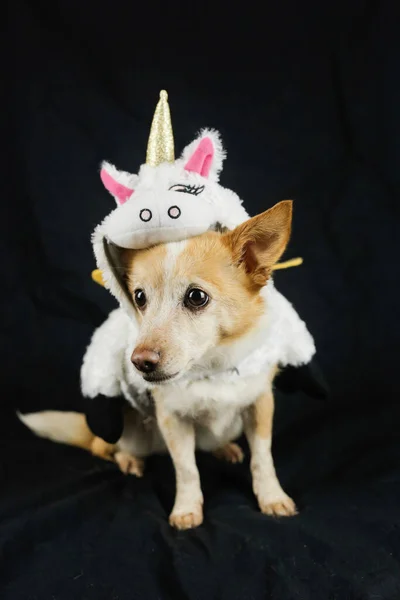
201,363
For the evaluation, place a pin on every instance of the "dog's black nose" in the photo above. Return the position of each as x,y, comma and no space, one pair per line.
145,360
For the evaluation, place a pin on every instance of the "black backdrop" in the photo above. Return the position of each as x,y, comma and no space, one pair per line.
306,96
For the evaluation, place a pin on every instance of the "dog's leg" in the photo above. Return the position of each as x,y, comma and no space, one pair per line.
127,463
271,498
179,437
102,449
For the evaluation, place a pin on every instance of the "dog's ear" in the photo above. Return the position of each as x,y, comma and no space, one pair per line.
259,243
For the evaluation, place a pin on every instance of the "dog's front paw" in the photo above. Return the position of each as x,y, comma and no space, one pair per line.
272,500
187,519
280,506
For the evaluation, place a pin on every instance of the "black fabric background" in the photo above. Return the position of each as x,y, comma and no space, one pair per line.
306,96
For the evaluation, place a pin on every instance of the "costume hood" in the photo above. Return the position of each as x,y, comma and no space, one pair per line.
168,200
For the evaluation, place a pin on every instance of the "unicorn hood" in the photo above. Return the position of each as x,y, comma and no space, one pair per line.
168,200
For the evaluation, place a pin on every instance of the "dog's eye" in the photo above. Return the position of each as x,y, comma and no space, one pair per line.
195,190
196,298
140,298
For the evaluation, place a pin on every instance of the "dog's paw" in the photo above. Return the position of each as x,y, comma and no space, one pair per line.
278,507
231,453
187,520
128,464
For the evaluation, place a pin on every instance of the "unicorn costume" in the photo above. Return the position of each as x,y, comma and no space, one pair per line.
171,200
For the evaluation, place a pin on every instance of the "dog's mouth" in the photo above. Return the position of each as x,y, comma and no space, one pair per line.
157,379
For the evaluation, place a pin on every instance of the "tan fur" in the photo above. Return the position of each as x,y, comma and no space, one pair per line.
263,416
205,262
67,428
145,266
179,436
102,449
211,261
263,411
271,498
259,243
208,261
71,428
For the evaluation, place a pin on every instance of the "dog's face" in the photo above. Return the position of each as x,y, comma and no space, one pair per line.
203,293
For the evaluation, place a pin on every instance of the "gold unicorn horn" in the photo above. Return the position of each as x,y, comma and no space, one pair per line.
160,147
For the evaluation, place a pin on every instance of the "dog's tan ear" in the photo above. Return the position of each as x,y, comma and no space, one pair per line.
259,243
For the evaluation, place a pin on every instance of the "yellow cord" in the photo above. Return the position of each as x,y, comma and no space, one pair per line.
98,277
293,262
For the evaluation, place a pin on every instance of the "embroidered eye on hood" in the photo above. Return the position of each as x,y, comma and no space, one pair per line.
195,190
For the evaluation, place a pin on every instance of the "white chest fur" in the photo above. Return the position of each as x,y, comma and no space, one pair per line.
192,398
215,407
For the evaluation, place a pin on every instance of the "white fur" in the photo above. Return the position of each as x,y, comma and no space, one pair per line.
57,426
173,251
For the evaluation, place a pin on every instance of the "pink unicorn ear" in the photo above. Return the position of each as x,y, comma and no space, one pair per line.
114,180
201,159
205,155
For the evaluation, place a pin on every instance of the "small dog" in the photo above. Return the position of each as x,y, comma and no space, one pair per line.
204,306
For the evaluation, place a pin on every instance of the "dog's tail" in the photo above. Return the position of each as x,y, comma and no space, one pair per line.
58,426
